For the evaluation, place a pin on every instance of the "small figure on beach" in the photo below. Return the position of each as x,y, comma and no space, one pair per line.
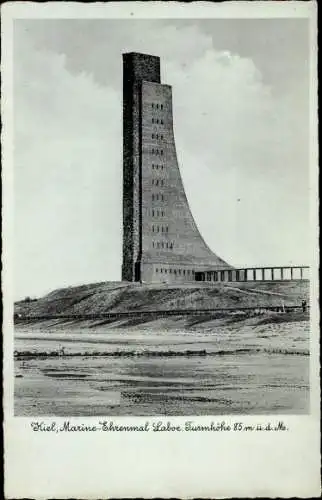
304,305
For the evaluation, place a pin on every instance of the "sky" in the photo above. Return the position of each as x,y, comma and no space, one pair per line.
241,122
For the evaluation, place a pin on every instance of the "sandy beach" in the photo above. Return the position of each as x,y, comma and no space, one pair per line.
235,368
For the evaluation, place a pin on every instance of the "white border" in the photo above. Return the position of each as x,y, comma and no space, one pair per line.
120,465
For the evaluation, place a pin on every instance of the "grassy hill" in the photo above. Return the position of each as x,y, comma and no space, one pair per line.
104,297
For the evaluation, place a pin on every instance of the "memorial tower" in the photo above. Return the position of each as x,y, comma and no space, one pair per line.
161,242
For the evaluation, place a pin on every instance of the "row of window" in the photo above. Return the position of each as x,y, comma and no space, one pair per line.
157,197
156,120
157,106
162,244
157,136
157,151
182,272
160,229
157,182
157,167
158,213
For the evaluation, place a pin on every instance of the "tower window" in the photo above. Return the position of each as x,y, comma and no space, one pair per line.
161,136
157,270
170,271
157,106
157,182
167,229
162,244
158,244
179,271
157,197
152,213
157,229
152,229
161,106
161,270
175,271
161,121
152,136
165,271
153,244
162,198
153,197
161,152
152,120
152,105
184,272
152,150
157,120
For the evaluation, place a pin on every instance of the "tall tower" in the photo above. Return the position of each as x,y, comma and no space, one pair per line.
161,241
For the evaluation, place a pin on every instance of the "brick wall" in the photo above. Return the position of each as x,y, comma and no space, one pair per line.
136,67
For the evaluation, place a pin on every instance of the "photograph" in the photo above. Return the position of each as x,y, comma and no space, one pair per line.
162,243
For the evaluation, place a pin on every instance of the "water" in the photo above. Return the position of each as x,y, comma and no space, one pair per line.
230,370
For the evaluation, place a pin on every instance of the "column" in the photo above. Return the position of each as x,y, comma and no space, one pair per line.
263,274
272,273
282,273
245,274
254,274
291,273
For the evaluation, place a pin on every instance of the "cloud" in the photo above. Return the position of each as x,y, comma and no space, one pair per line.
67,174
241,149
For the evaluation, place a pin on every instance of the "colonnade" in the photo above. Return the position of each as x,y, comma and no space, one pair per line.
279,273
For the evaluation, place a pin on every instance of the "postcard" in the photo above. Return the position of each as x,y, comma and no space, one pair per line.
160,250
